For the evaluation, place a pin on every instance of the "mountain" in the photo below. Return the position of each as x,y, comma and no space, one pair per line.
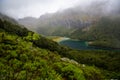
27,55
92,24
29,22
62,22
65,22
104,33
7,18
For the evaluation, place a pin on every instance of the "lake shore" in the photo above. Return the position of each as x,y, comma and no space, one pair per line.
59,39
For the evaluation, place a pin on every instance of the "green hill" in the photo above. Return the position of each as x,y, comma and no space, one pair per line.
22,58
27,55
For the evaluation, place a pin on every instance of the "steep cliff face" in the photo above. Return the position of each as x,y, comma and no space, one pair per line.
29,22
61,22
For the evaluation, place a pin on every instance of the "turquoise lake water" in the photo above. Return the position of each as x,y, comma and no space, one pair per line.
77,44
81,45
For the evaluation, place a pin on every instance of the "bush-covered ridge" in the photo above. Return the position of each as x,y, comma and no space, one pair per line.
32,56
21,60
13,28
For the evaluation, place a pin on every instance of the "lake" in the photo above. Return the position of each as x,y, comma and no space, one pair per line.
76,44
82,45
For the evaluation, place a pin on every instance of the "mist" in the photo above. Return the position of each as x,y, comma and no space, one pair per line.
36,8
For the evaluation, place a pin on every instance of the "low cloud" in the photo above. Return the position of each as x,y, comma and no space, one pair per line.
35,8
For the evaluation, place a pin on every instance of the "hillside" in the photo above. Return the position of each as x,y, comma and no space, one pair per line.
60,23
90,24
4,17
22,57
104,33
27,55
60,40
29,22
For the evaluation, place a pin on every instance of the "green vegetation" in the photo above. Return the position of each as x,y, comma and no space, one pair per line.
27,55
13,28
102,33
23,57
105,33
105,60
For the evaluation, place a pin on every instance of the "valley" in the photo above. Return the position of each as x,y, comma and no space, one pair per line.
102,31
60,40
30,53
78,44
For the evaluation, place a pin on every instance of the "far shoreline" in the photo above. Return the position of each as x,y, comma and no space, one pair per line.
58,38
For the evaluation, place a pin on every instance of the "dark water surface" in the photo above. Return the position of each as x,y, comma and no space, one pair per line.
81,45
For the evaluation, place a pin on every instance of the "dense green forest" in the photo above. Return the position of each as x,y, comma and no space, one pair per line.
26,55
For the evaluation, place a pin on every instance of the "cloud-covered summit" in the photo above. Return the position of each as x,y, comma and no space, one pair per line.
35,8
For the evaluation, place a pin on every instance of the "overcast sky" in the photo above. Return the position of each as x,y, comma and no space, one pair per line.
35,8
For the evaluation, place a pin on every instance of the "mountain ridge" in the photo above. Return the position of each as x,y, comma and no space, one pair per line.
73,22
28,55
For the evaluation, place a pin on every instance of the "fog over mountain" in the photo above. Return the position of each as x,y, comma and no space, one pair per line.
59,39
60,17
66,21
36,8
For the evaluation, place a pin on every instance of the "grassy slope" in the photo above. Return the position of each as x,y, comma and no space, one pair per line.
36,57
22,58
